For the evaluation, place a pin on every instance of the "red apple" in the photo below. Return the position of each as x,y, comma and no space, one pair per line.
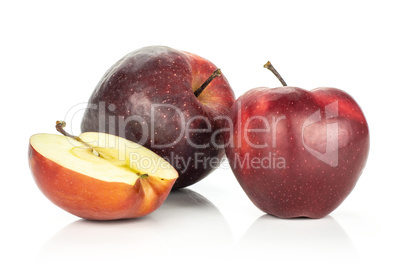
165,100
297,153
99,176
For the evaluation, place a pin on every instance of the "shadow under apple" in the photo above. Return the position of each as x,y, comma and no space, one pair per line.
186,222
299,240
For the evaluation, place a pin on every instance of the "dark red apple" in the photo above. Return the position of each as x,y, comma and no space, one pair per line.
165,100
297,153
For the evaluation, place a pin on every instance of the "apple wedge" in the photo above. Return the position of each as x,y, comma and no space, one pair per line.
99,176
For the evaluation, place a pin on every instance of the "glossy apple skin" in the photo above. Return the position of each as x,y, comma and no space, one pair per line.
127,102
301,185
95,199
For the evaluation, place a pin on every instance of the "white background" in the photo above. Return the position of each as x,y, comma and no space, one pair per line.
53,54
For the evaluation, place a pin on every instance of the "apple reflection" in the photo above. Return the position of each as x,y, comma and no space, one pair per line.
299,240
186,221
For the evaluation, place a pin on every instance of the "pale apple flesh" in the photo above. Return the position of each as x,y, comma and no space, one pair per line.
125,181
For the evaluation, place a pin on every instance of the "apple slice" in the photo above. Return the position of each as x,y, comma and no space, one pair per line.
100,176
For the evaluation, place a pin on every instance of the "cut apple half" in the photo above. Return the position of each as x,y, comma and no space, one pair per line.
100,176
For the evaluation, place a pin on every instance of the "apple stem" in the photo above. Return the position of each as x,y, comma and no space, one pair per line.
269,66
216,73
60,128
